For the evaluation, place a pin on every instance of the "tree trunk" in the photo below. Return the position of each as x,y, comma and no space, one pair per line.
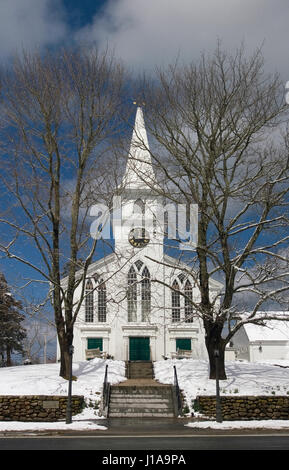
64,364
215,343
65,341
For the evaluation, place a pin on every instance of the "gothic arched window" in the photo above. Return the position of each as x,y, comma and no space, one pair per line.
188,291
145,294
89,301
176,302
132,295
102,302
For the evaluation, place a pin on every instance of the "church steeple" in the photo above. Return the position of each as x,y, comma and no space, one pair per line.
140,226
139,173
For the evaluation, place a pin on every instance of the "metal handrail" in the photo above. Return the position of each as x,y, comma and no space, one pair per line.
105,393
179,405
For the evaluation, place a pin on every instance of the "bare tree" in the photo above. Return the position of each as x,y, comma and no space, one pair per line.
37,342
218,141
60,115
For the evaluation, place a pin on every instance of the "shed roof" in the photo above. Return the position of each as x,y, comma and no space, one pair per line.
275,330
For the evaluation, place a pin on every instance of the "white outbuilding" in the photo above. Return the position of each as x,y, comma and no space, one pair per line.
257,343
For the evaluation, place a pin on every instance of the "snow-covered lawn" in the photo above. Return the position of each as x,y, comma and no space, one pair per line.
44,379
243,379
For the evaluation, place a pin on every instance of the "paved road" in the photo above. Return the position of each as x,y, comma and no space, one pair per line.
156,443
148,434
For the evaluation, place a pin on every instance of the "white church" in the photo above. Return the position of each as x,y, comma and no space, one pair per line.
133,308
129,311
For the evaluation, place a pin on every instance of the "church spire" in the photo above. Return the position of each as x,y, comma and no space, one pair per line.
139,173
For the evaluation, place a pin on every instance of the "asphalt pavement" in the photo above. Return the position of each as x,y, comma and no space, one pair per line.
146,435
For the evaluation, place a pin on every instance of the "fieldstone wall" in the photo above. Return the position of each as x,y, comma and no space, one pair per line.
37,407
235,408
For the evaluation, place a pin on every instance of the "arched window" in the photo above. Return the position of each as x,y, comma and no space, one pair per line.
102,302
132,295
89,301
138,264
188,291
145,294
176,302
139,207
139,211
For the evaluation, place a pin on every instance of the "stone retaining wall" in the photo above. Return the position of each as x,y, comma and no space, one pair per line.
245,407
37,407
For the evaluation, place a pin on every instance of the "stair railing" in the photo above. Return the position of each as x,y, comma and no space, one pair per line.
105,394
177,395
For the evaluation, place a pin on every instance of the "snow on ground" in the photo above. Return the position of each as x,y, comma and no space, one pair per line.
243,378
44,379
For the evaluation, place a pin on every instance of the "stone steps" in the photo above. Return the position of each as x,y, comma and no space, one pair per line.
141,391
140,395
139,402
142,401
138,399
135,414
139,369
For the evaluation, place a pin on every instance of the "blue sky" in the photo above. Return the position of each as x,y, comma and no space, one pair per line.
147,33
80,13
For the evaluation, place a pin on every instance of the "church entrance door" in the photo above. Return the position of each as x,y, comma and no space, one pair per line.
139,348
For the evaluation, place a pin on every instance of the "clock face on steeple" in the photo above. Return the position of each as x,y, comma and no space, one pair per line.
138,237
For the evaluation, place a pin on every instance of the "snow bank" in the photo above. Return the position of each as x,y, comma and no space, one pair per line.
243,378
44,379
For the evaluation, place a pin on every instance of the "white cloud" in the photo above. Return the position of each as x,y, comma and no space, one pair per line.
155,31
30,24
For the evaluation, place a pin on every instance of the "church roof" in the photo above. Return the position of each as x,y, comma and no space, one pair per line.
139,174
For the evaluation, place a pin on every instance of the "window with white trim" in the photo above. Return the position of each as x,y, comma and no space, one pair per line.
132,295
188,291
176,302
89,308
101,304
145,295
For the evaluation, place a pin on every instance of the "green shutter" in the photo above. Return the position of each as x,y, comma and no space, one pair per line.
184,343
94,343
139,349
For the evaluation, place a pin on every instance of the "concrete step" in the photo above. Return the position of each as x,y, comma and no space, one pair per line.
140,375
140,407
141,390
140,365
138,399
128,391
143,396
140,404
148,399
139,369
155,414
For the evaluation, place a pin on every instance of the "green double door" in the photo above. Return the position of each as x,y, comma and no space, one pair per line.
139,348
